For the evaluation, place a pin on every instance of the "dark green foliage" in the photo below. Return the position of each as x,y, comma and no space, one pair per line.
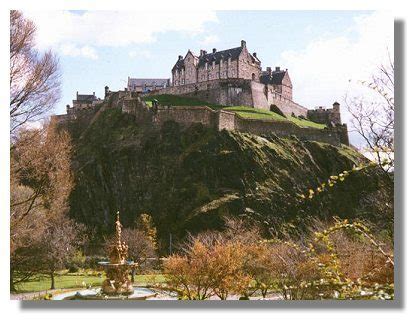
189,179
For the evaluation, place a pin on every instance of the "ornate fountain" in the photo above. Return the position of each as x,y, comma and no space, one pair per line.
117,270
117,284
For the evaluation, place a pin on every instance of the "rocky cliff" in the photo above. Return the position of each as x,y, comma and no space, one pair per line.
190,179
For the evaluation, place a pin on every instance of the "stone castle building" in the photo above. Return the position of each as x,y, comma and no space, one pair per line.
83,102
147,85
231,77
234,77
236,63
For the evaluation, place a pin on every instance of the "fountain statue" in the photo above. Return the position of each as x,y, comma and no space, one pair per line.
117,270
117,284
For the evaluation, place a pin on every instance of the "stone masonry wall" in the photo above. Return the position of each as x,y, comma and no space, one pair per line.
221,119
236,92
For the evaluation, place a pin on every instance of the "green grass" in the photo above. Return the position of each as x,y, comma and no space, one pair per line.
243,111
65,281
252,113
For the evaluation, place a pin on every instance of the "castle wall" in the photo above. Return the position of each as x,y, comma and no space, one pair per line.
247,69
221,119
185,115
237,92
258,96
287,106
322,115
286,129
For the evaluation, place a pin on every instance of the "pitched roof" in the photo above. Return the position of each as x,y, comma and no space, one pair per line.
274,77
233,53
135,82
86,97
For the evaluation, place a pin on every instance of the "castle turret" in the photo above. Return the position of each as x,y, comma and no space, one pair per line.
336,107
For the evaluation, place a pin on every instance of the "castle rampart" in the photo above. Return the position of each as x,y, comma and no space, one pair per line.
222,119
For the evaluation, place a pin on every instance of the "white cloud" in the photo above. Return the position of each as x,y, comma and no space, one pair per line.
83,31
74,51
139,53
321,72
209,40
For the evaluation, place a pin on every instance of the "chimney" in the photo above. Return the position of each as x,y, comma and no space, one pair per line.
77,94
214,50
255,54
277,69
94,93
180,57
243,44
201,52
336,106
269,69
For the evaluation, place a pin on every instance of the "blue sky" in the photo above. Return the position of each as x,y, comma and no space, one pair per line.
323,50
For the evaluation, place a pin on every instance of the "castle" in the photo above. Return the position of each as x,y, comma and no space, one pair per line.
231,77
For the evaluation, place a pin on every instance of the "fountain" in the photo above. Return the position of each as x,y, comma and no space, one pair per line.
117,284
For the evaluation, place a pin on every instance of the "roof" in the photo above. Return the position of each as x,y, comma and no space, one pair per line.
86,97
134,82
274,77
217,56
233,53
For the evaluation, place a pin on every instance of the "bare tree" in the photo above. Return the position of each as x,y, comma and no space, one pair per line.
373,120
34,77
40,185
58,243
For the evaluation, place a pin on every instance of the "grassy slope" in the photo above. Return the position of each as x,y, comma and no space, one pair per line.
243,111
189,179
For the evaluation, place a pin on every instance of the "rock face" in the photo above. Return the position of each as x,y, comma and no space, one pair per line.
190,179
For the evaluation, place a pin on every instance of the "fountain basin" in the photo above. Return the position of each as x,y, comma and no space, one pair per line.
139,293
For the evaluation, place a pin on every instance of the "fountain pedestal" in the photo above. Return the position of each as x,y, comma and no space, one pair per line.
117,270
117,279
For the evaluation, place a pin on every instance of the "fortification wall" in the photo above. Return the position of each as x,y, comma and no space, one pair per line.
221,119
236,92
185,115
286,129
258,95
287,106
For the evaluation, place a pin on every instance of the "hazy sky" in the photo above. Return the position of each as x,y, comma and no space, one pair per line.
322,50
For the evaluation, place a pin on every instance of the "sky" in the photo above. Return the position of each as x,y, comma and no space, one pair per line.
326,52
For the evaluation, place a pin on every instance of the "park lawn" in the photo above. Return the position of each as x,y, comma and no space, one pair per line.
65,281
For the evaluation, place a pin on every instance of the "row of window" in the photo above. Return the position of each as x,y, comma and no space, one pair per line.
223,75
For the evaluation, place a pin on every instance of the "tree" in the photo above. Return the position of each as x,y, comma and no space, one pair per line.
58,243
40,184
373,120
34,77
145,224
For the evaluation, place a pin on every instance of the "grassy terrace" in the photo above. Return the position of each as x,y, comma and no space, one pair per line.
243,111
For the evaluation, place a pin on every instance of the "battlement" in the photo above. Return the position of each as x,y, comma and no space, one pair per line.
239,90
327,116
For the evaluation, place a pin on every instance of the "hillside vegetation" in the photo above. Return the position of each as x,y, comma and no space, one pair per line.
191,179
